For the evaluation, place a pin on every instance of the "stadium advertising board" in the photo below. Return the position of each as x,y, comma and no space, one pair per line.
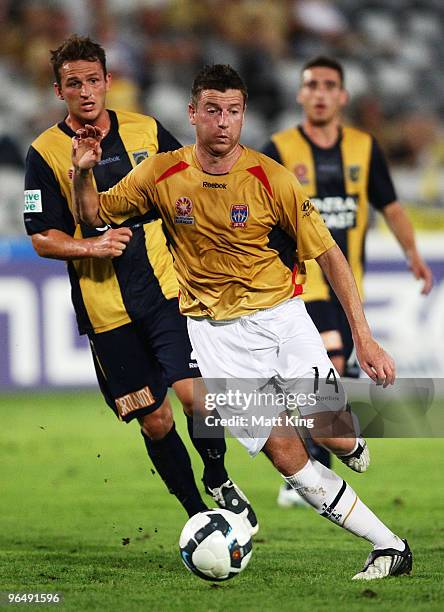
40,346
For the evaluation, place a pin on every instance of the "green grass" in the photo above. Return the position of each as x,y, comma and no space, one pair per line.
74,482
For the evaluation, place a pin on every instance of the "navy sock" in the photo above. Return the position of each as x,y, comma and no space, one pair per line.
171,460
212,452
319,453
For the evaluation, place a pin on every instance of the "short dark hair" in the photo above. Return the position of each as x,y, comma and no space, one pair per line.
77,48
322,61
219,77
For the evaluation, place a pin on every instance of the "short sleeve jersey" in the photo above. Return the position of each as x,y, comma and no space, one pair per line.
220,227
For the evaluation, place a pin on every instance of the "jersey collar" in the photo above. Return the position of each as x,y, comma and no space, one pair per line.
109,138
314,145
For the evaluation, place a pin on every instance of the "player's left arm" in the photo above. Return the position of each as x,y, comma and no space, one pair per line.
382,195
373,359
401,227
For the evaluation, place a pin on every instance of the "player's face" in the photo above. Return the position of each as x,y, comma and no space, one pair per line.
218,118
83,87
321,95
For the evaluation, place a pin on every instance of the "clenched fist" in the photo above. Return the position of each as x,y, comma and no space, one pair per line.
112,243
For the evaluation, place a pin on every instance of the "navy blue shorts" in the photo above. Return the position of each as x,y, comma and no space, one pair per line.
329,316
137,362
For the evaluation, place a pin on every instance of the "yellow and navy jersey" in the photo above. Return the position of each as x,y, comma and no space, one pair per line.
106,293
221,228
341,181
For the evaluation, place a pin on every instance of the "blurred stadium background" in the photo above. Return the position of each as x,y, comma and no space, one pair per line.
392,52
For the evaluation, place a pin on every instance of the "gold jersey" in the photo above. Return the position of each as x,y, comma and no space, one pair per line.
219,227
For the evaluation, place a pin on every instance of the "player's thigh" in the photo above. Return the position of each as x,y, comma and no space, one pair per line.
166,331
306,372
129,375
233,350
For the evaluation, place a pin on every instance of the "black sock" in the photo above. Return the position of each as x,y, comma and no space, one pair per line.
171,460
212,451
319,453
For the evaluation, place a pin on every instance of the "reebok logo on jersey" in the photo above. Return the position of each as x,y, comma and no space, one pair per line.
109,160
214,185
33,201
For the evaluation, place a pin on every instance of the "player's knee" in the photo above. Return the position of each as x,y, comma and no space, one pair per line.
157,424
288,455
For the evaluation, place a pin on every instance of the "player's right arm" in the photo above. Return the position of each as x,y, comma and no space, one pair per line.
131,196
49,221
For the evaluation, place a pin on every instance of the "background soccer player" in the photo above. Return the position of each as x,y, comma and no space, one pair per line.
124,289
237,293
342,170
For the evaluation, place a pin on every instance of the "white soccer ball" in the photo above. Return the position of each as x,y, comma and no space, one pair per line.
215,545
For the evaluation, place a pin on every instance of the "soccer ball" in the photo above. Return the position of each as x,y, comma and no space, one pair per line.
215,545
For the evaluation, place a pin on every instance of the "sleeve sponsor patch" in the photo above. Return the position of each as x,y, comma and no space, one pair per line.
33,201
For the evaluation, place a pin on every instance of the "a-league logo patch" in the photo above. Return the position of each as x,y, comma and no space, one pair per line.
139,156
239,215
354,172
184,208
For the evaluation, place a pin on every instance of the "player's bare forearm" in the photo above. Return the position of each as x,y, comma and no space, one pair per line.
86,198
375,362
55,244
86,153
401,227
339,275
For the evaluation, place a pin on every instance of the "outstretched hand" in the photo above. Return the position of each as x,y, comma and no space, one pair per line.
375,362
86,149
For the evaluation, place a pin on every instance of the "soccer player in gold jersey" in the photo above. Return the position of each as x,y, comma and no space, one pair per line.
220,202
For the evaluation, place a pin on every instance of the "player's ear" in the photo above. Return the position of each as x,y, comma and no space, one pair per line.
192,113
58,91
344,98
108,80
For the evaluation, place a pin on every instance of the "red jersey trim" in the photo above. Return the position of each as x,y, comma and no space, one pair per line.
182,165
298,288
259,173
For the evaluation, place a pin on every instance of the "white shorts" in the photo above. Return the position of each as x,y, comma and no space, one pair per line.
277,348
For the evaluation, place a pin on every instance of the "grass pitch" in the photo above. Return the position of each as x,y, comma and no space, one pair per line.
82,514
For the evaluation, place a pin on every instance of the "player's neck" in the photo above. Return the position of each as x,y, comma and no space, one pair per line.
103,121
214,163
324,136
